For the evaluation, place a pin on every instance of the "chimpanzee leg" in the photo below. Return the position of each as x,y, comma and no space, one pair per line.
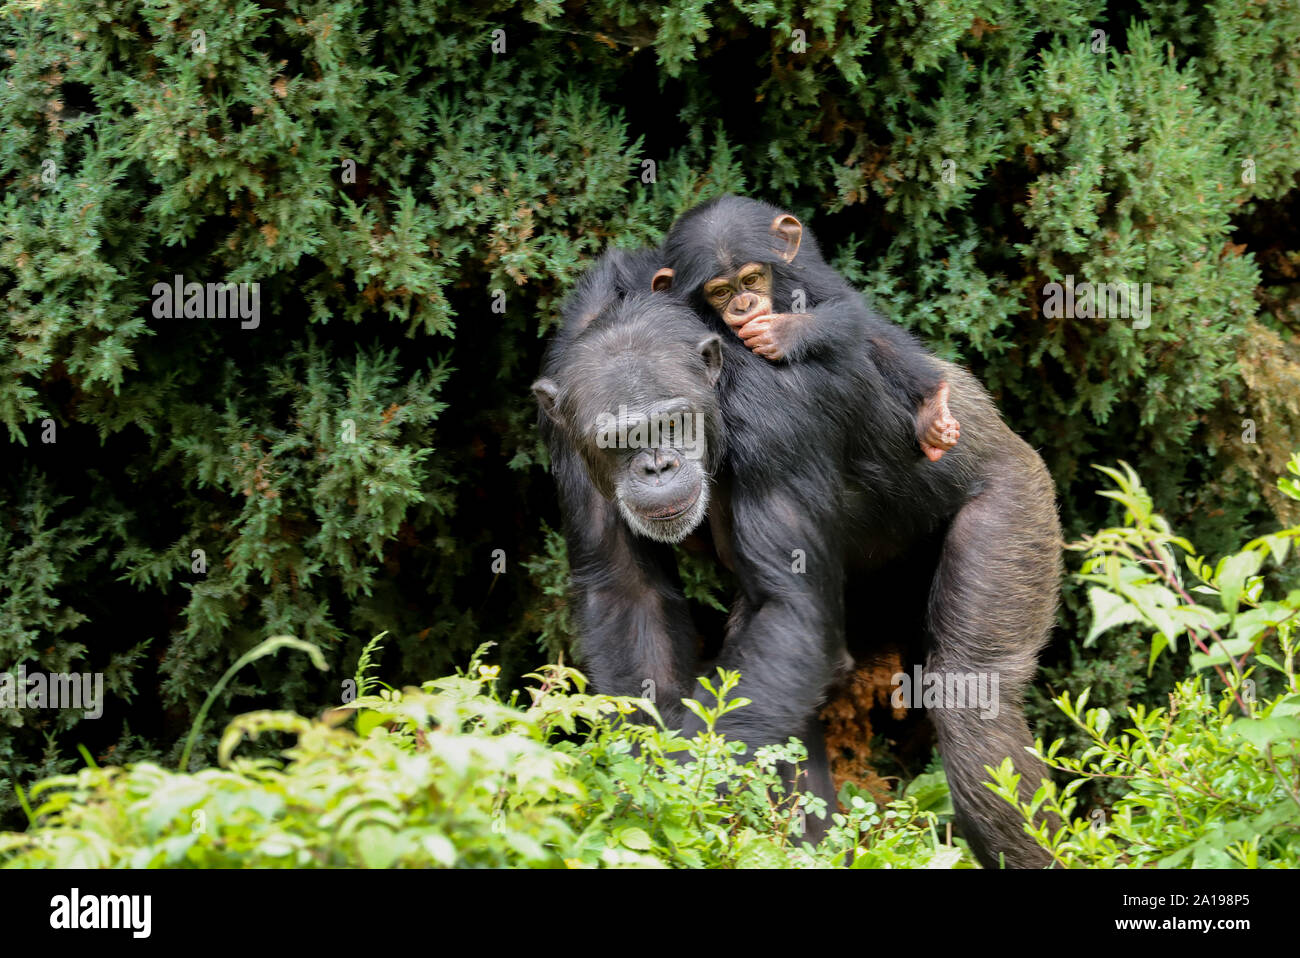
993,600
786,631
815,777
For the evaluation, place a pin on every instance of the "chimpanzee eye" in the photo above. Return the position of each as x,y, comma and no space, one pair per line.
751,281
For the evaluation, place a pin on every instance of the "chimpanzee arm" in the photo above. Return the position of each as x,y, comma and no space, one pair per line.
786,630
634,626
838,326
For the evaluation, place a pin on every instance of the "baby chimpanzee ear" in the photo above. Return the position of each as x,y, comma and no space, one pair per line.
710,348
545,390
663,280
788,232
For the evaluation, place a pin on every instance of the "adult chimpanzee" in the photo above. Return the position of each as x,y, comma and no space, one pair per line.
818,487
640,357
622,349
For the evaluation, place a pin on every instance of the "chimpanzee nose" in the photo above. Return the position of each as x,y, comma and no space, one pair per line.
744,303
658,463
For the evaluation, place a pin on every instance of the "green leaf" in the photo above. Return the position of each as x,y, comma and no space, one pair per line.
1249,624
945,856
439,847
1264,731
931,793
1159,642
1265,659
754,851
368,720
1278,547
377,845
1286,706
1233,573
635,838
1101,721
697,710
1108,611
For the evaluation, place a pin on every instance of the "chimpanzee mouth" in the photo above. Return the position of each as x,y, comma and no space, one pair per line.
750,317
670,523
674,511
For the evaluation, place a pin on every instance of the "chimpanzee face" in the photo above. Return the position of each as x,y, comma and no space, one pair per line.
730,254
741,295
635,398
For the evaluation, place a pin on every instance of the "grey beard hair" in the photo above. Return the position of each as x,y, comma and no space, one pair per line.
668,531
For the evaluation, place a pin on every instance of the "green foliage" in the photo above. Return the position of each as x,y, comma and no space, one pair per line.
365,663
1209,781
268,647
449,775
549,620
702,580
1139,580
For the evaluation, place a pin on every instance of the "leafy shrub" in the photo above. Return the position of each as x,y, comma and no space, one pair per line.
452,775
1211,780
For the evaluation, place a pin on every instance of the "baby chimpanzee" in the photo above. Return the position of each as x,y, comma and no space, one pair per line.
770,271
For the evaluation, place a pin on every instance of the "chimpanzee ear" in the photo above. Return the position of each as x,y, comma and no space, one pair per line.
663,280
545,390
788,232
710,348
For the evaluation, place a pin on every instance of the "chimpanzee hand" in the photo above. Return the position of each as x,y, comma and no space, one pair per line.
773,336
936,427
